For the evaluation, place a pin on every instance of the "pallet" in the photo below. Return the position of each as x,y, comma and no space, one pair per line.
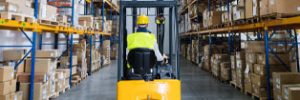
53,96
254,97
235,86
64,90
277,16
64,24
48,22
75,80
16,17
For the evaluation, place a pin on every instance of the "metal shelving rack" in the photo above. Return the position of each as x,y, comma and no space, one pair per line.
264,30
38,30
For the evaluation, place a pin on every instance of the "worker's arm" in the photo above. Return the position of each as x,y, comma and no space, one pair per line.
158,55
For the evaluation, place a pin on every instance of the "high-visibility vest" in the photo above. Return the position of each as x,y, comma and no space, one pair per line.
140,40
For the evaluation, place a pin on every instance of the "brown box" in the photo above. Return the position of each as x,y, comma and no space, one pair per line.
259,92
6,73
294,67
272,59
293,93
65,61
249,67
233,61
40,91
264,7
38,77
260,69
286,90
281,78
19,95
8,87
43,66
225,71
8,7
240,55
251,58
249,8
259,81
46,54
240,64
13,54
215,18
10,96
255,46
284,6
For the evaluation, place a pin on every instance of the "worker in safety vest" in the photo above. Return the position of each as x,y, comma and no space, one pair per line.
143,38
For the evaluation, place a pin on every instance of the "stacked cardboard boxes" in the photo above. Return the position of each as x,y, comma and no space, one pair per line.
22,7
45,67
86,21
240,69
96,59
211,18
255,73
219,62
286,85
106,52
7,84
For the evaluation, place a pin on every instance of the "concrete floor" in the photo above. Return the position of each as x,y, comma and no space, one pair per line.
196,85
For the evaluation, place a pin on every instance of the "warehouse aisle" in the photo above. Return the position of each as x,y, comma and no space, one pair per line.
99,86
196,85
200,85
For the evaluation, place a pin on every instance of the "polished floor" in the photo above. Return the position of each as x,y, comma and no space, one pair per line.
196,85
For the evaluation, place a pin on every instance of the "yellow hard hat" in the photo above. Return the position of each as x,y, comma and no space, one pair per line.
142,20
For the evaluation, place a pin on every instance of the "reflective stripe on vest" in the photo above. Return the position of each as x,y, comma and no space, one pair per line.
140,40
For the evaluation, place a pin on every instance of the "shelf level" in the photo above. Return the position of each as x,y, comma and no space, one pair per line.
293,22
6,24
107,4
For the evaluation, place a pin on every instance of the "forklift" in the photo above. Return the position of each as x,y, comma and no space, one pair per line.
163,80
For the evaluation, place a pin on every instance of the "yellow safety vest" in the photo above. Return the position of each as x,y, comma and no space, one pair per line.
140,40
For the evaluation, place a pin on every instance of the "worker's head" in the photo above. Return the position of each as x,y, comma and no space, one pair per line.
142,21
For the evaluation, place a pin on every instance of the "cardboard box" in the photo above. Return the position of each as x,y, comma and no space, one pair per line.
259,81
264,7
238,13
249,67
273,60
6,73
65,71
291,7
47,12
38,77
293,93
294,67
18,95
251,58
233,61
10,96
51,87
240,64
46,54
8,87
259,92
8,7
260,69
13,54
286,91
281,78
225,71
255,46
43,66
240,55
40,91
249,8
64,61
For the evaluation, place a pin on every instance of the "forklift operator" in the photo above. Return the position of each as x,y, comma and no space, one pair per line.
143,38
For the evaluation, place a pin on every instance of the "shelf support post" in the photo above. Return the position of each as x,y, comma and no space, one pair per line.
267,66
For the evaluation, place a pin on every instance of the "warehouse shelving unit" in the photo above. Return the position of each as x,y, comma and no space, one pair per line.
39,29
264,30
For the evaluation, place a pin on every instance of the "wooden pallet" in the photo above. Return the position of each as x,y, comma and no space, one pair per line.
53,96
277,16
48,22
64,90
75,80
254,97
64,24
236,87
16,17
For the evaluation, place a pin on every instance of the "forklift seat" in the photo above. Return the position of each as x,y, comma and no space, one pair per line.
142,61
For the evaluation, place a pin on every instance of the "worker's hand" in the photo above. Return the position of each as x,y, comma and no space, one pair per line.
166,58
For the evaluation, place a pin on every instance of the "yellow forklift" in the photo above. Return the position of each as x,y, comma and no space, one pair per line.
146,79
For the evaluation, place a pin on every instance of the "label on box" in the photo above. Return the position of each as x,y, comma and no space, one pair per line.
298,8
272,2
16,97
2,7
